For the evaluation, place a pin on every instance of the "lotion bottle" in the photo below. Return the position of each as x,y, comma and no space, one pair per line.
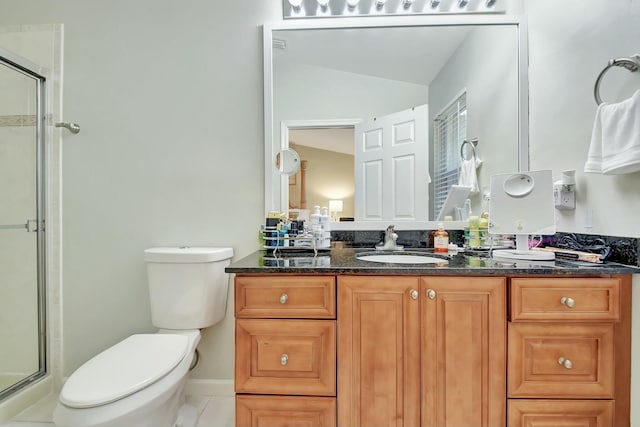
441,239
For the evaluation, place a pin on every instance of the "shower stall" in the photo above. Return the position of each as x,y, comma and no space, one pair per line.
23,121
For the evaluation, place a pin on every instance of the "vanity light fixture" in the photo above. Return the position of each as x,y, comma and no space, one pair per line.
295,4
296,9
352,3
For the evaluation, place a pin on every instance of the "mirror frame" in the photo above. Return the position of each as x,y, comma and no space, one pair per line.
271,176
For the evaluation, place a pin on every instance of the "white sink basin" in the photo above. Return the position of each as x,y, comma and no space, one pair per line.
401,258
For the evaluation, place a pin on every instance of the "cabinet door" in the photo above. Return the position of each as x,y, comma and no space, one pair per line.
286,357
463,351
285,411
560,413
378,351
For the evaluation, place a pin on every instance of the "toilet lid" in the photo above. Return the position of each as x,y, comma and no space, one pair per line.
125,368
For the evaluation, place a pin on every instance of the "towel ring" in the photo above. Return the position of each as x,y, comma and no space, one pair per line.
473,144
632,64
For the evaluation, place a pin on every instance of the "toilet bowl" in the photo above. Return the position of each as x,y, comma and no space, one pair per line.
139,382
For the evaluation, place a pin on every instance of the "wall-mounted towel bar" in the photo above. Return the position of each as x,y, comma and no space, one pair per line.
473,144
632,64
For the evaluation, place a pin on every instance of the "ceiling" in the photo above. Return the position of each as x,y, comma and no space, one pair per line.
332,139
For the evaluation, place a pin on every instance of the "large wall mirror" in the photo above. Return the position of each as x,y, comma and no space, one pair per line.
334,87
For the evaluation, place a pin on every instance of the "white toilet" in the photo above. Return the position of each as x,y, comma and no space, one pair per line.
139,382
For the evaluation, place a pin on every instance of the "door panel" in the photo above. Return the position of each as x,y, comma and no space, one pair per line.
21,243
378,352
463,351
391,166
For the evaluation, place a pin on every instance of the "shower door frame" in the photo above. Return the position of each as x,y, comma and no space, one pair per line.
42,76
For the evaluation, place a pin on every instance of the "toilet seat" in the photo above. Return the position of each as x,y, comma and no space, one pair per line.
127,367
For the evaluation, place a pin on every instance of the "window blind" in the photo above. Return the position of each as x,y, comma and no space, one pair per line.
450,130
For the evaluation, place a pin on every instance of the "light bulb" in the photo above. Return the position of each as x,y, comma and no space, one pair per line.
435,3
380,4
295,4
462,3
407,3
323,3
352,3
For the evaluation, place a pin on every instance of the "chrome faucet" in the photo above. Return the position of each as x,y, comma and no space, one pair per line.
389,244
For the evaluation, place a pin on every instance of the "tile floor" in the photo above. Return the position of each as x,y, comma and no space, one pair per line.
215,411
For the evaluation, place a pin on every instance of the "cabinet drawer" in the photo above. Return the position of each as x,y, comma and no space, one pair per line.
279,411
286,297
286,357
550,360
560,413
578,299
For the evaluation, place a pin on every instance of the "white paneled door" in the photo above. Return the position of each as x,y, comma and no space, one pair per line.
392,166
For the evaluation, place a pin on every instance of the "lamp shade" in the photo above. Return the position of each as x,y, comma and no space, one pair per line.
335,205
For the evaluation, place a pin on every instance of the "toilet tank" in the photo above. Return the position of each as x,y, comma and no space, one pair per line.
187,286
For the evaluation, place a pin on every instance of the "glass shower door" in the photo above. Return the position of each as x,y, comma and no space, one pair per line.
22,334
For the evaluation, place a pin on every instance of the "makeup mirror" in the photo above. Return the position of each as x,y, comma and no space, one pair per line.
287,162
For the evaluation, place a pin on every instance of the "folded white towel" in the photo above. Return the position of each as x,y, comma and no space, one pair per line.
615,141
468,176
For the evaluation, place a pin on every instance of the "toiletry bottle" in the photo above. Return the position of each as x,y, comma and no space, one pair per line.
485,238
315,220
474,231
326,228
441,239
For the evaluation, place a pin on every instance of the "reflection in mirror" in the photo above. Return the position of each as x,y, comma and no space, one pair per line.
471,78
287,162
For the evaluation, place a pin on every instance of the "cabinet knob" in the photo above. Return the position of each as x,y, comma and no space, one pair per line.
414,294
567,301
431,294
568,364
284,298
284,359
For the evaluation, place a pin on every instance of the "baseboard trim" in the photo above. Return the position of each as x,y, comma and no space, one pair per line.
199,387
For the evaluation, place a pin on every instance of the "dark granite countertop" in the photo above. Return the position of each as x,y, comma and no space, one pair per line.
345,261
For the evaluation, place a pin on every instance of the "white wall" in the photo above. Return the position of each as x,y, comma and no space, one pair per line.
570,42
169,96
485,64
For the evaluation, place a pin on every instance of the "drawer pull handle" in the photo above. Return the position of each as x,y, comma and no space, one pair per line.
431,294
414,294
284,359
284,298
567,301
565,362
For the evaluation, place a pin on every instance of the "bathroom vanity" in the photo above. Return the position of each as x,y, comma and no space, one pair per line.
334,340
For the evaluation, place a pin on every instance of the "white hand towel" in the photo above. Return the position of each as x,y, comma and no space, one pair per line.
615,141
468,176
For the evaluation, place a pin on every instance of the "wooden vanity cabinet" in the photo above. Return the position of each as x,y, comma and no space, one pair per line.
569,351
356,350
285,341
426,351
